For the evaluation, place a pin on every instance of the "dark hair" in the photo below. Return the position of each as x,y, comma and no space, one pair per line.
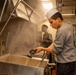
56,15
44,26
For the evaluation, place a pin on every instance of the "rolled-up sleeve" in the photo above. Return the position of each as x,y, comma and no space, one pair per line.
59,42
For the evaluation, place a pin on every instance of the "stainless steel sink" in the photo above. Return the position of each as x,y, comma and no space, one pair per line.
20,65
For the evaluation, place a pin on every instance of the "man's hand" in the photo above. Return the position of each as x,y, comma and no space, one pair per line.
39,49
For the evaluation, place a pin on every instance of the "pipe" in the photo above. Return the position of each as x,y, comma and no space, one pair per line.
30,7
3,10
44,56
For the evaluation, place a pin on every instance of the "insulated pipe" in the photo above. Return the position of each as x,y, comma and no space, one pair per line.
3,10
10,16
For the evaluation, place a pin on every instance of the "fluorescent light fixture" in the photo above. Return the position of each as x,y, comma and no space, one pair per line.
47,5
68,14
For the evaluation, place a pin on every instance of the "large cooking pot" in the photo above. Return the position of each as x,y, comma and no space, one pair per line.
21,65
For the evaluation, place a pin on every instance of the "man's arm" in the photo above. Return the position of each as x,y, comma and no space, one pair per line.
48,49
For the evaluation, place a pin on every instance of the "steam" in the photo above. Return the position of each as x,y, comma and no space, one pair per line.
24,38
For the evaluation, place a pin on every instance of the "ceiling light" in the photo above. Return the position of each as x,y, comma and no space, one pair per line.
47,5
